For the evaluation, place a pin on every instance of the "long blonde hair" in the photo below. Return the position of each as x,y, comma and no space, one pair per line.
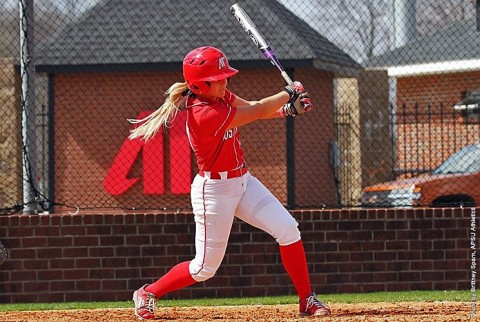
163,116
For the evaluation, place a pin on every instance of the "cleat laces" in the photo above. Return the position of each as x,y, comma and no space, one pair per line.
150,304
313,301
314,307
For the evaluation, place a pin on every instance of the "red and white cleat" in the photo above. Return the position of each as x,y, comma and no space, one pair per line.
144,304
311,306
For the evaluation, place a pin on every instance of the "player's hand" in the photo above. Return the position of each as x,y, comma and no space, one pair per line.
303,103
294,89
300,105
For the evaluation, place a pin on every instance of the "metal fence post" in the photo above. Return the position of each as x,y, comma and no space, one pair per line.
27,70
290,148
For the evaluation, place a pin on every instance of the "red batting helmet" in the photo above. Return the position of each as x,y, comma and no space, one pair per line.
205,64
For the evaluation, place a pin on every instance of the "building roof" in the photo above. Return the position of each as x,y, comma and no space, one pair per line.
156,35
454,48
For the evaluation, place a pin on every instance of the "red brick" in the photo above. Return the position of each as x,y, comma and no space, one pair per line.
361,256
409,255
432,276
62,263
23,253
75,274
47,253
50,275
88,285
98,230
73,231
113,262
34,242
87,263
62,286
20,231
102,273
23,275
60,241
75,252
113,285
46,231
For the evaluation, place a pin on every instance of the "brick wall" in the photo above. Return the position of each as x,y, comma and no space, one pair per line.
106,256
426,146
435,89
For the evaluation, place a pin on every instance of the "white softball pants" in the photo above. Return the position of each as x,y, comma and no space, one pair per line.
215,204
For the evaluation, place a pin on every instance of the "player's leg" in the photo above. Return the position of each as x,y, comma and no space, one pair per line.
214,210
260,208
214,203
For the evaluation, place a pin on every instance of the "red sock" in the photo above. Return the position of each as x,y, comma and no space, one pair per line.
295,263
176,278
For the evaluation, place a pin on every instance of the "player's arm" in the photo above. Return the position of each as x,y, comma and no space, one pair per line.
272,106
266,108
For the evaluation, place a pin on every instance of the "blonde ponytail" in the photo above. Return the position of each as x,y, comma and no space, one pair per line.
162,117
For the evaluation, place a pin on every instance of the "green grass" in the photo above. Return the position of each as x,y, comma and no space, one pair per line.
411,296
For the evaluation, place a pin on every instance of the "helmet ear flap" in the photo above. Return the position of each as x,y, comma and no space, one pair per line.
198,87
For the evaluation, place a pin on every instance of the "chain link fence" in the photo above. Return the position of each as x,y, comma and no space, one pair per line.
395,83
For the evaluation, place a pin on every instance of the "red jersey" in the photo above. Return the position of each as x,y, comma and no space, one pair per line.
216,148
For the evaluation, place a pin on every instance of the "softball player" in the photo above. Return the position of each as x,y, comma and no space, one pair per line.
223,188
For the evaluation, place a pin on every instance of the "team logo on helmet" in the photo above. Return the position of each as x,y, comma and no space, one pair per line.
221,62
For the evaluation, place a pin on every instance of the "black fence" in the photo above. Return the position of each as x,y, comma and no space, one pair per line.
73,72
432,134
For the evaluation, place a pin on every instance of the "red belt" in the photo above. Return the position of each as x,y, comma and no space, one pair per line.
224,174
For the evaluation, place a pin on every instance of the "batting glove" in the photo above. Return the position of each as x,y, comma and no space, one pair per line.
300,105
294,89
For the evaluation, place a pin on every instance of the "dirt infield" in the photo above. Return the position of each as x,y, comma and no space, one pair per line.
406,311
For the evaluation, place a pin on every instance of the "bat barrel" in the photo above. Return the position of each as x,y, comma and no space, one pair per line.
257,38
249,26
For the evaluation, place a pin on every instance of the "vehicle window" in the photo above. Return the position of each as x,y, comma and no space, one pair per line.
475,167
467,160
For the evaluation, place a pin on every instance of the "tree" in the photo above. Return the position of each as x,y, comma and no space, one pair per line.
369,21
363,28
50,16
434,15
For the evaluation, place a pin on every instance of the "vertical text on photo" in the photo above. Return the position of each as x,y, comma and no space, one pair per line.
473,264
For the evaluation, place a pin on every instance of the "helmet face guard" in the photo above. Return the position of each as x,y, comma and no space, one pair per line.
205,64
